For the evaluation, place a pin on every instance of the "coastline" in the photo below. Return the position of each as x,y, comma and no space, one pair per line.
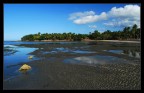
118,41
123,41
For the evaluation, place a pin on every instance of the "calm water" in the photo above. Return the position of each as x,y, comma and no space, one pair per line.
24,42
67,50
97,59
20,56
130,52
14,55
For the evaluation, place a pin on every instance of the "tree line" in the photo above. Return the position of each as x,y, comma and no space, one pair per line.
128,33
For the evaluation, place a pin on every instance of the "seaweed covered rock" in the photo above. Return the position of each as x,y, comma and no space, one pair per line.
30,57
25,67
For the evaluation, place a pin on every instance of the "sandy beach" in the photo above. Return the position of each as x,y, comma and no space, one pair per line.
51,73
123,41
88,40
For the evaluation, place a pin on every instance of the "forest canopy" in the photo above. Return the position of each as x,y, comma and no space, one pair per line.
128,33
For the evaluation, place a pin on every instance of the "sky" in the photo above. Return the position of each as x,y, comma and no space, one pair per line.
24,19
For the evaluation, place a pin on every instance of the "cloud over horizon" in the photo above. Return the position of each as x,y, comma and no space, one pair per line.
87,17
122,16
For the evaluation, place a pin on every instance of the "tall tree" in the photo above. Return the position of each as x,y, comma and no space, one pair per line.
134,29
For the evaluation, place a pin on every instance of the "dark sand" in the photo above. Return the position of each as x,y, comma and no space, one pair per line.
50,72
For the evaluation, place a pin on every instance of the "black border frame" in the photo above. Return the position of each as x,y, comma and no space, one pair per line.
64,2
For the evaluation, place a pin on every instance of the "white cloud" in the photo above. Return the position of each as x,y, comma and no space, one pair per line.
122,23
87,17
92,26
122,16
80,14
126,11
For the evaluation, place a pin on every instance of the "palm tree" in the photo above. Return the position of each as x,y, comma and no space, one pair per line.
134,29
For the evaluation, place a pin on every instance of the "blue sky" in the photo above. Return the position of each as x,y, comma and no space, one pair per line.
24,19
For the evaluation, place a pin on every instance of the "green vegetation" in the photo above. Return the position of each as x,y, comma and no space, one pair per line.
127,34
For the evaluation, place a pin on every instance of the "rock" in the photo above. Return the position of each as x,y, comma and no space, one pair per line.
25,67
30,57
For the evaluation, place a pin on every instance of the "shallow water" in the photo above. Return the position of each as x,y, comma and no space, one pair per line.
12,59
15,56
129,52
83,52
115,51
19,54
67,50
97,59
36,42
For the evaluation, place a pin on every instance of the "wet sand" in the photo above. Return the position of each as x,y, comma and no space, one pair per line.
124,41
51,72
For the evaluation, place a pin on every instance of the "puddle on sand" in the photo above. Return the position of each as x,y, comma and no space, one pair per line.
115,51
66,50
82,52
130,53
98,59
62,49
51,52
73,51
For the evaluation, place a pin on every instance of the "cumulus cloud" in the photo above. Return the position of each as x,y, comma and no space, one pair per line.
124,16
126,11
87,17
121,16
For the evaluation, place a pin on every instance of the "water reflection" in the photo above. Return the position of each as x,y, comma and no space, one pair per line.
18,57
62,49
130,52
98,59
9,50
116,51
51,52
83,52
65,50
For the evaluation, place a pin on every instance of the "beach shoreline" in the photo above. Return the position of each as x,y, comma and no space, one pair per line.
51,73
124,41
